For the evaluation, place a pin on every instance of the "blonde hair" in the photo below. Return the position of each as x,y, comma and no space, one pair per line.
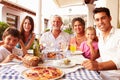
90,28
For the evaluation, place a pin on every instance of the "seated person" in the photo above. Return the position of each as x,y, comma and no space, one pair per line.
26,31
79,30
90,46
53,38
8,51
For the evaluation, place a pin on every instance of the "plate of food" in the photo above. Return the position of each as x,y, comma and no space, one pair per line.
77,52
65,63
54,55
42,73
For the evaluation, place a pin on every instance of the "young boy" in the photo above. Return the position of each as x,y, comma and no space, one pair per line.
8,51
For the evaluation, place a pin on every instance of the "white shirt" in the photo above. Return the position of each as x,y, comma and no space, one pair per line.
49,41
4,52
110,50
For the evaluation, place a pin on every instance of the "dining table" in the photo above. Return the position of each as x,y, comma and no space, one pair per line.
14,69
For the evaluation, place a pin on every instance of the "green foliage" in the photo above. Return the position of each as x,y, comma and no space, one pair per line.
3,26
68,30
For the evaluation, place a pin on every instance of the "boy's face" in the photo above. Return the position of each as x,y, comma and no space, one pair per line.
10,41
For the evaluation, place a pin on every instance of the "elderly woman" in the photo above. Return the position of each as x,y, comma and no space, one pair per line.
79,30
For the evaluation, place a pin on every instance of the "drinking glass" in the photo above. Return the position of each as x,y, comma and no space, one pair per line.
64,46
45,58
72,48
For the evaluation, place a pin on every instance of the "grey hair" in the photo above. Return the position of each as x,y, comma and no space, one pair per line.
53,16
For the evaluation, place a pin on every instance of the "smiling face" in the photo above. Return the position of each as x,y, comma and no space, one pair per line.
10,42
102,21
27,25
90,34
78,27
56,23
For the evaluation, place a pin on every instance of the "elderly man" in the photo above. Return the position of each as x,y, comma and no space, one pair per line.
52,39
109,46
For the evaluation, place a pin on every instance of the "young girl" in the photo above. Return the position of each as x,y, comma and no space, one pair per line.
8,51
90,46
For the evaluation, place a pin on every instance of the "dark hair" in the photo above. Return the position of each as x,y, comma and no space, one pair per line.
78,19
102,9
11,31
31,23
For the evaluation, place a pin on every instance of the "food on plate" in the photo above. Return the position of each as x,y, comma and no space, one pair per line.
67,61
42,73
52,55
30,60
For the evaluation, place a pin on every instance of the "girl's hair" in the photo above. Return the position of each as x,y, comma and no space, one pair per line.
31,23
90,28
11,31
80,20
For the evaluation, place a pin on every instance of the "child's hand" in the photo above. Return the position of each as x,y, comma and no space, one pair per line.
9,58
89,42
17,57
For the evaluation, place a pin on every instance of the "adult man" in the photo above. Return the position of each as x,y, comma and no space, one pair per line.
52,39
109,46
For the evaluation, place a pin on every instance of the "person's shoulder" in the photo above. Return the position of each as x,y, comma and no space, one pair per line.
95,43
117,31
33,34
2,47
83,43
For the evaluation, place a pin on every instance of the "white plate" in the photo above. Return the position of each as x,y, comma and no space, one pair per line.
77,52
60,64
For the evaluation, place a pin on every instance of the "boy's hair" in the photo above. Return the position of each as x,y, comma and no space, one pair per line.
102,9
11,31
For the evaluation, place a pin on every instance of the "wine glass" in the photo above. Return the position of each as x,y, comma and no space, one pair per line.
64,46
